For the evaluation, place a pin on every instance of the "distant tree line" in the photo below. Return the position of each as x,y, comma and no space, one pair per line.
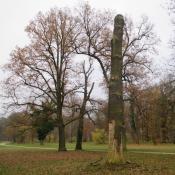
149,115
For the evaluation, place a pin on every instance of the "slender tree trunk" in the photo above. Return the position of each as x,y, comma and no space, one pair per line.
124,140
61,126
62,140
79,134
164,130
116,122
134,132
41,142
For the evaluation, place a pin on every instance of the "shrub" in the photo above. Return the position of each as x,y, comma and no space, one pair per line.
99,136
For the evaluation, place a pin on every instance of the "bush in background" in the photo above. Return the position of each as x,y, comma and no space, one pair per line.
99,136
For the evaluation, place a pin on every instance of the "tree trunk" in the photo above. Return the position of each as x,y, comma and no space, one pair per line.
41,142
79,134
124,140
62,141
133,124
116,122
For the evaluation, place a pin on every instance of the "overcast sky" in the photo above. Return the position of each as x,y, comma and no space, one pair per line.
16,14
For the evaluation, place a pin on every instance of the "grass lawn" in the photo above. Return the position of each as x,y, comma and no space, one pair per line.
21,161
167,148
90,146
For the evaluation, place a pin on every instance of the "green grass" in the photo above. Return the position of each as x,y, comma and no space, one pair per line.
89,146
167,148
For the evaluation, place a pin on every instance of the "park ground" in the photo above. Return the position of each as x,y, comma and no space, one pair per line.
33,159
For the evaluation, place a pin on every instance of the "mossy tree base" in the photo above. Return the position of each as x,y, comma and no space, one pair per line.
115,151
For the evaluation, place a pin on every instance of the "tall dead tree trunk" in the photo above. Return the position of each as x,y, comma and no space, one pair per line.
116,122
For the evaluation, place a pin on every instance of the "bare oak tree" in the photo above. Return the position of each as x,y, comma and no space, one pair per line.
40,70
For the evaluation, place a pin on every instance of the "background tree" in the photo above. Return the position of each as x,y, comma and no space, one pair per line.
152,117
42,121
171,10
81,102
18,127
3,122
41,69
84,105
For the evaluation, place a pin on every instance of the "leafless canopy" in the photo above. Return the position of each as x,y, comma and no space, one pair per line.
41,68
139,42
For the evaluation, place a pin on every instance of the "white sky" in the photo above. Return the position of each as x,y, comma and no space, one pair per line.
16,14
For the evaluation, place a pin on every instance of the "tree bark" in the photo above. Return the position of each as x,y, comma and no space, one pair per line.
79,134
61,132
116,122
134,132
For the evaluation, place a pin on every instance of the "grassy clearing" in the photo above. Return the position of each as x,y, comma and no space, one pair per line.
89,146
167,148
50,162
